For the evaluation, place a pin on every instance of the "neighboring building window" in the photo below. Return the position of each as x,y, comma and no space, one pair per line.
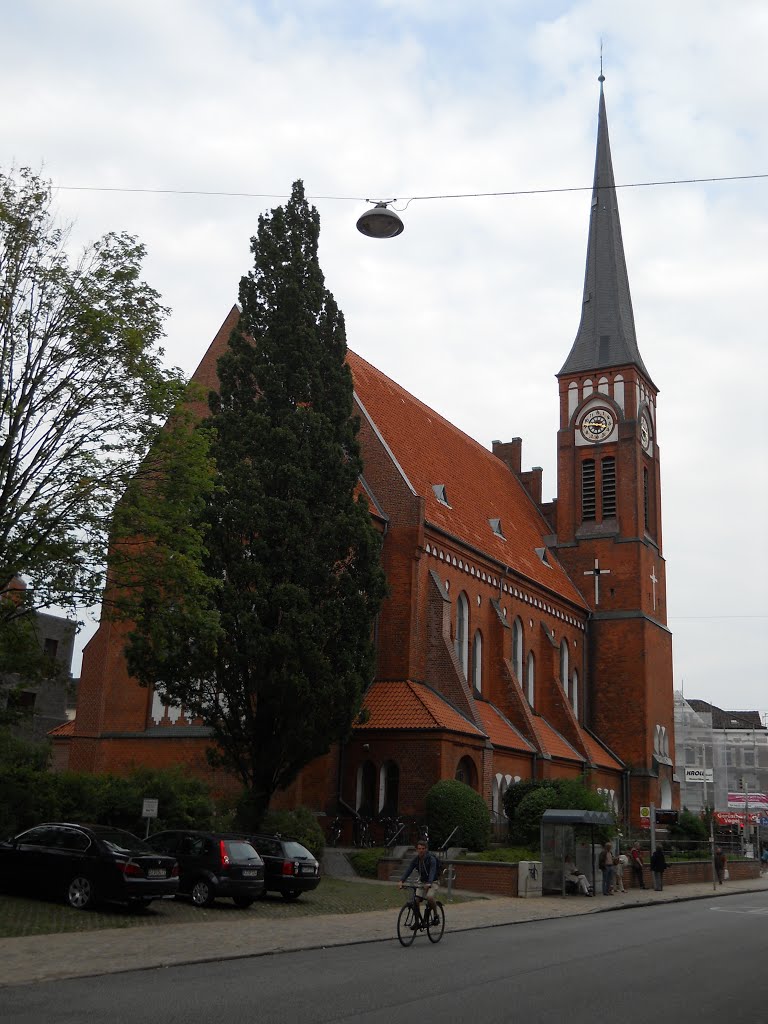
531,681
50,647
517,649
477,662
575,692
389,789
462,632
608,487
564,664
588,489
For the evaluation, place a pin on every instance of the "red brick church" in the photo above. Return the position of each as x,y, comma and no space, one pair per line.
520,639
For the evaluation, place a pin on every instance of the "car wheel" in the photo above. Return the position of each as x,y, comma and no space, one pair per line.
291,894
80,894
203,893
243,901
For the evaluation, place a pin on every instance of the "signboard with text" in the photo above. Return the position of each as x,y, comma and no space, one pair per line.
735,818
699,774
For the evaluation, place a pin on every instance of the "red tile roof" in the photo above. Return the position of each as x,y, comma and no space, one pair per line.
65,729
501,732
478,485
599,754
551,742
407,705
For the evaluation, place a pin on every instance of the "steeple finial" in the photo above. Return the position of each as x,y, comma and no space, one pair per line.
601,78
606,335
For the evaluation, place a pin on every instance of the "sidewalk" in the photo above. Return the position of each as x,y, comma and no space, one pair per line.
52,957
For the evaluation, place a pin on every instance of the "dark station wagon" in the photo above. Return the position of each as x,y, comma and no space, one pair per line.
290,868
85,864
213,864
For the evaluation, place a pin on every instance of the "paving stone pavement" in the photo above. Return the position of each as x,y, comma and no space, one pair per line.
38,958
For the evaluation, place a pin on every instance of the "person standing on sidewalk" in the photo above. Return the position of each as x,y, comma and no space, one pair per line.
658,867
621,862
636,860
720,862
606,864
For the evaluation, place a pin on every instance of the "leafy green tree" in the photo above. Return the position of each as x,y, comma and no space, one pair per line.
275,656
525,802
82,392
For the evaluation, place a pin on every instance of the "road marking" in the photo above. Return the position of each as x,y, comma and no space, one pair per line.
722,910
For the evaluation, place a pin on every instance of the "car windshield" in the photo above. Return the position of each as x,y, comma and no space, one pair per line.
294,850
240,850
123,842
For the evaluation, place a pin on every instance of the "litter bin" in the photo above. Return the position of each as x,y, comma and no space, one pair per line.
529,878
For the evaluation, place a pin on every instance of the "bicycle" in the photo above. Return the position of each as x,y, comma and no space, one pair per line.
410,920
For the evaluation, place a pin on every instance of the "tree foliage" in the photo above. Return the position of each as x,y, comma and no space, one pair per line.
452,804
525,802
274,656
82,392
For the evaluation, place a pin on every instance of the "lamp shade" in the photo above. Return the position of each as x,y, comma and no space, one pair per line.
380,222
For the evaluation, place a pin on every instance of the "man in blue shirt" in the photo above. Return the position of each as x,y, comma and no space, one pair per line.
426,865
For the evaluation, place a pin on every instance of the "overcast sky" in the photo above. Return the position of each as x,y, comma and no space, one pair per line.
475,306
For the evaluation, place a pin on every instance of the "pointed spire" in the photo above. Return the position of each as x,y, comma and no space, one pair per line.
606,335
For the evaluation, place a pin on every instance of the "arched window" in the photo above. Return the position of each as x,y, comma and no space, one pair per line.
531,679
575,692
646,502
564,664
517,649
466,772
462,632
366,789
477,661
389,786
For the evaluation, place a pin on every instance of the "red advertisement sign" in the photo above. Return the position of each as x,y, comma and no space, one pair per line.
735,817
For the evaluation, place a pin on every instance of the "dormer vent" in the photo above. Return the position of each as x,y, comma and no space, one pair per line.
441,494
542,553
496,527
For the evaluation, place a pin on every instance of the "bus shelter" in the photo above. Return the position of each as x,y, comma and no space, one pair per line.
569,837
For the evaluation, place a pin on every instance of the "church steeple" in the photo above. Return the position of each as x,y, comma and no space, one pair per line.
606,335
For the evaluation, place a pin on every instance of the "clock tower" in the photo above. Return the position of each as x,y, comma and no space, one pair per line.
608,510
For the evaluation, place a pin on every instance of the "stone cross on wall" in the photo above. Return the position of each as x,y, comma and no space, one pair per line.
597,572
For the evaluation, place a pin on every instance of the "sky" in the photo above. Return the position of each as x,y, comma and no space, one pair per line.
475,306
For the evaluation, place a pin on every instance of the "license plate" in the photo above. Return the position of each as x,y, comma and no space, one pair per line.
156,873
307,870
250,874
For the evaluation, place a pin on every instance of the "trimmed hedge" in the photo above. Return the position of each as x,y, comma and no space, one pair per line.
301,825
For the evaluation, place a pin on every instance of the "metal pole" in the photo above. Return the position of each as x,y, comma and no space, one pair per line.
653,827
747,830
712,849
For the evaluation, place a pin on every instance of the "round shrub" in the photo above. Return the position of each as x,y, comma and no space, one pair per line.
451,803
526,827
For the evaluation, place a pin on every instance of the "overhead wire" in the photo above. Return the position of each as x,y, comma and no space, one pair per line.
410,199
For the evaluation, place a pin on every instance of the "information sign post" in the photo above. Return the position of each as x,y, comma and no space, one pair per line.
149,811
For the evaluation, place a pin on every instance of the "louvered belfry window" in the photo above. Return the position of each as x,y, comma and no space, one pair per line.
608,468
588,489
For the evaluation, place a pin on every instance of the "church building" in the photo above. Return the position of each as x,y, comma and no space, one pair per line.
520,639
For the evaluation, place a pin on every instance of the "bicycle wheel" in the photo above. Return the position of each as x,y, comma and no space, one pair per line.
435,930
405,922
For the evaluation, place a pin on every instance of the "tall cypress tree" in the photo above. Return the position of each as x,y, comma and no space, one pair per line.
293,552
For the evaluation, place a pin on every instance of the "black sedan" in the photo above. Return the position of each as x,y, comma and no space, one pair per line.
85,864
289,867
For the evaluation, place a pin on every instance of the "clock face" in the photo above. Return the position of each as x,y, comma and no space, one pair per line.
597,425
645,434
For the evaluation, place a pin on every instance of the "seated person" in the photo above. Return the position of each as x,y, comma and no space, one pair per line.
576,877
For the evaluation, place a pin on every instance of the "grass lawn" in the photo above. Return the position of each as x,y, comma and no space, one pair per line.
22,916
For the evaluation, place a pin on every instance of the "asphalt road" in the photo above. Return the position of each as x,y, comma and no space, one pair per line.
701,961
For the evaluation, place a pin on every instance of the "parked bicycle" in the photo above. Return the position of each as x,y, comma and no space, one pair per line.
363,835
334,832
412,919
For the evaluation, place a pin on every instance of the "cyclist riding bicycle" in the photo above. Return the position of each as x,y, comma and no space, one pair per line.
425,863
